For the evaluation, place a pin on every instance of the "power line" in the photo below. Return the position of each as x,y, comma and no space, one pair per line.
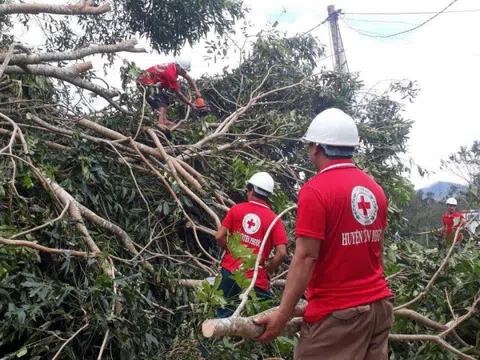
361,32
383,21
316,26
404,31
414,13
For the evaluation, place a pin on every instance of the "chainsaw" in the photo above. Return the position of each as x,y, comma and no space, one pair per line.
202,107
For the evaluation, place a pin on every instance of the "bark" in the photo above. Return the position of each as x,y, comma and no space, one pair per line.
420,319
32,245
243,327
22,59
49,144
70,133
83,8
6,60
102,130
79,68
62,74
190,193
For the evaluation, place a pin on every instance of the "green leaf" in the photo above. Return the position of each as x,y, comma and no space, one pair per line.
27,181
22,352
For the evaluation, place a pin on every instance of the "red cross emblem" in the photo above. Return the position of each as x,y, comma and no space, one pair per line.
251,223
363,205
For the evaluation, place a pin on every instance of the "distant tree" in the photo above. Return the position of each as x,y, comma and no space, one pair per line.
465,163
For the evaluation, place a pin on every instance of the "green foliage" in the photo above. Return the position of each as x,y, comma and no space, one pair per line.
240,251
460,278
168,26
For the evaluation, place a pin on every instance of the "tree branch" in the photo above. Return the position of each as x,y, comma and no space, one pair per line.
62,74
83,8
32,245
22,59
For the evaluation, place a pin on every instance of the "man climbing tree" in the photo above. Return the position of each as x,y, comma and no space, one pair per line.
252,219
164,78
449,220
341,219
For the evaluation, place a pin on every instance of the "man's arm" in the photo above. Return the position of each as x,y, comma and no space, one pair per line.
299,274
191,82
183,98
221,237
280,254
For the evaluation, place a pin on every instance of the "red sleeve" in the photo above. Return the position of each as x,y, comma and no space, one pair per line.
171,76
443,220
279,234
228,221
311,215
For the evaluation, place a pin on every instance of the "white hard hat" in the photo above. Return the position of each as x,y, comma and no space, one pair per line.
262,183
184,62
333,127
451,201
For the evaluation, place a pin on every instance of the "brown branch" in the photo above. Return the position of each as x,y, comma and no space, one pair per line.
118,231
73,336
62,74
434,277
243,327
190,193
102,130
175,197
22,59
6,60
430,338
33,245
83,8
79,68
49,223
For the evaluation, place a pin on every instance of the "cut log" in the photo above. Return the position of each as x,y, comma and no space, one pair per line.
243,327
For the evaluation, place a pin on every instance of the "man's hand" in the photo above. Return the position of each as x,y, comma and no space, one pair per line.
275,323
197,94
194,107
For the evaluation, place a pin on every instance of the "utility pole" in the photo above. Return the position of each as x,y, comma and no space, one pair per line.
338,50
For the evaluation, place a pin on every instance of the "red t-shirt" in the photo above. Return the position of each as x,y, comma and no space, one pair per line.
252,219
346,210
449,226
166,75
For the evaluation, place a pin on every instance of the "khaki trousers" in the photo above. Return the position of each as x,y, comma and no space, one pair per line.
359,333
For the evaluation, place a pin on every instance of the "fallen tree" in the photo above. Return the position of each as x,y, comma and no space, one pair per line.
103,216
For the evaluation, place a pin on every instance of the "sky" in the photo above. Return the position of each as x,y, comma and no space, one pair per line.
442,56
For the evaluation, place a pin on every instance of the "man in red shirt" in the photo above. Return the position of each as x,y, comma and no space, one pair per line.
164,77
341,219
251,219
449,223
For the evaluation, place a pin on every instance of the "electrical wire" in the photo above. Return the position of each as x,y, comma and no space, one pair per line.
404,31
383,21
413,13
315,27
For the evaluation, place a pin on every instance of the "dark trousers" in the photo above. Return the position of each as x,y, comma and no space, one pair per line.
231,290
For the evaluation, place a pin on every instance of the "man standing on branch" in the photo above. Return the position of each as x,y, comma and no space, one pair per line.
251,219
452,220
341,219
164,77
